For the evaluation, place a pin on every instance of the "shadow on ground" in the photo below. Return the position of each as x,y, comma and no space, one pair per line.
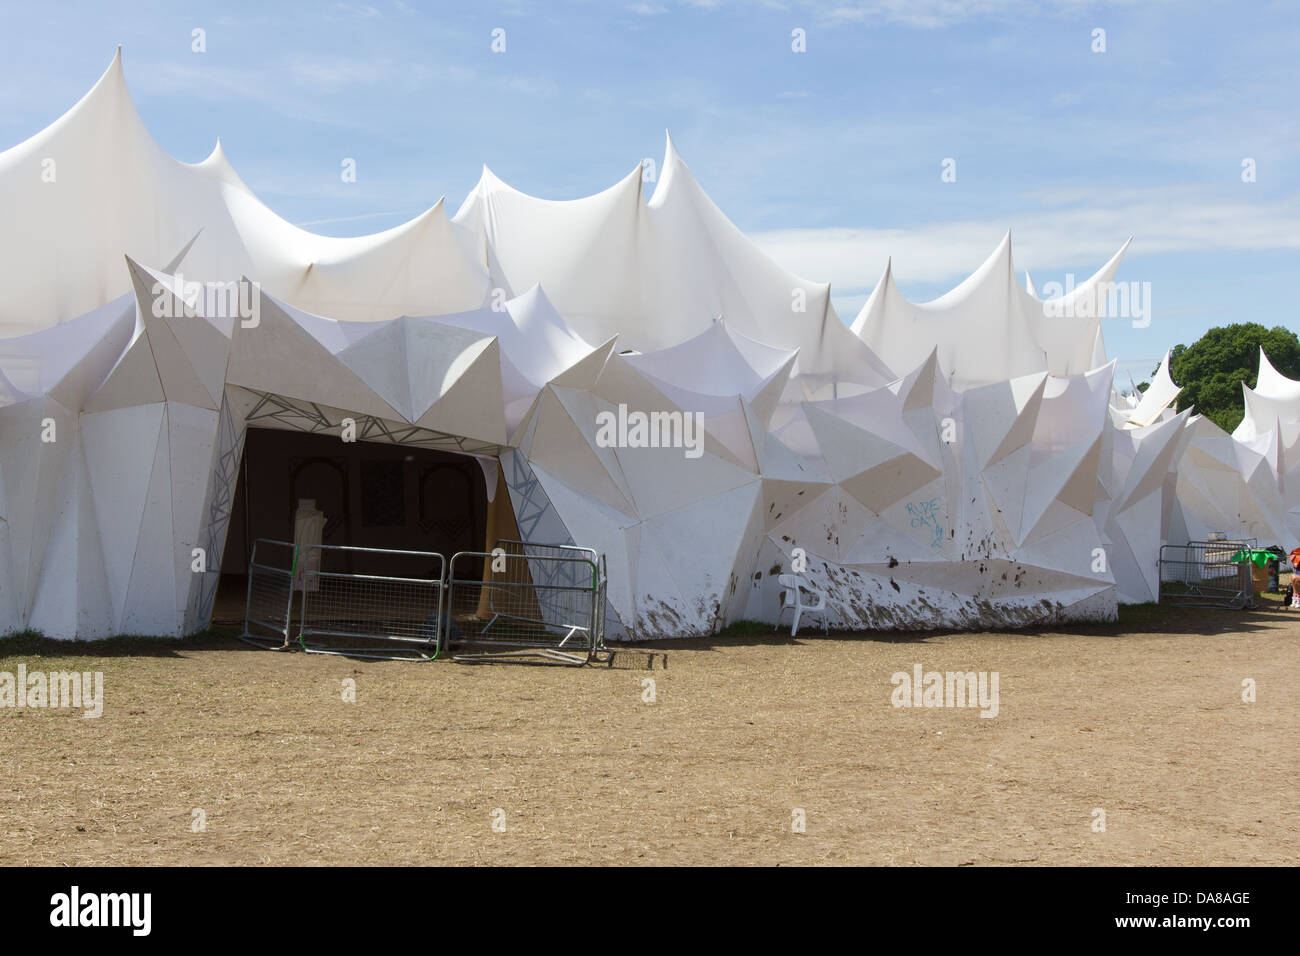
35,644
1135,621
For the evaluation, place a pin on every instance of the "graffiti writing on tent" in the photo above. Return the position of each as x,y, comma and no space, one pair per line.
925,514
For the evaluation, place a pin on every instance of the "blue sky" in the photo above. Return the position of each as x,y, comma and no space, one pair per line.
830,158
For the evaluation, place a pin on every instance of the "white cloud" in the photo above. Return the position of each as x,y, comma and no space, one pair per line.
291,88
936,14
1074,232
205,81
331,74
920,14
354,11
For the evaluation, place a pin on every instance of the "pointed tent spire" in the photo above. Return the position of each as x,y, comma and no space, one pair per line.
873,309
1099,279
175,263
996,266
1273,384
672,159
1159,395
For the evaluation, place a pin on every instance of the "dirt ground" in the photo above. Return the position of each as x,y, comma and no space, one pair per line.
1144,721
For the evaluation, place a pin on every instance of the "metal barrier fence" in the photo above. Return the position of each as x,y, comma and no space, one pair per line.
521,601
268,608
1202,573
542,603
371,602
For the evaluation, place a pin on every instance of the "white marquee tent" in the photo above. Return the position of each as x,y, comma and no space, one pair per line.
961,462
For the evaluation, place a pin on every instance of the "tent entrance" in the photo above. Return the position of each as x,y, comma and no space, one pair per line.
374,495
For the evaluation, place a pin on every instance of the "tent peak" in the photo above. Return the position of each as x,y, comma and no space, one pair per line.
431,212
113,71
487,180
217,161
112,76
176,261
998,265
671,156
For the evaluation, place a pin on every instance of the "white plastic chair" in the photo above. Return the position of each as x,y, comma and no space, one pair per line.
793,600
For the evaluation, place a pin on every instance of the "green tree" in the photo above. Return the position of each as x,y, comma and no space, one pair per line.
1213,367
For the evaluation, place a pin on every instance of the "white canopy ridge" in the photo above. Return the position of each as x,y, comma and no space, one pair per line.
989,328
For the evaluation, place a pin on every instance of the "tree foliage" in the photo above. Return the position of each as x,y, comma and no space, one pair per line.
1213,367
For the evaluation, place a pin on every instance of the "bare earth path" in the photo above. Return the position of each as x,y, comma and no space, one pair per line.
1146,723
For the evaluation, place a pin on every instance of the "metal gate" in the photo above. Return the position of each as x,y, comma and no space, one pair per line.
268,608
542,603
1203,573
520,601
371,602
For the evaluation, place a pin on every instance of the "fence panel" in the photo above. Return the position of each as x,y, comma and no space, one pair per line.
1203,573
371,602
268,608
520,601
526,601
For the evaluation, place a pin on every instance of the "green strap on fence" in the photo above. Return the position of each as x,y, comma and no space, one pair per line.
1255,556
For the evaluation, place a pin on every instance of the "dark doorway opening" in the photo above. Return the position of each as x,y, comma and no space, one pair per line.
373,495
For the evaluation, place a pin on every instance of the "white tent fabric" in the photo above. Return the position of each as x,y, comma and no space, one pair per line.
1160,394
94,186
1272,421
1227,486
536,345
658,273
1134,498
990,328
953,463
